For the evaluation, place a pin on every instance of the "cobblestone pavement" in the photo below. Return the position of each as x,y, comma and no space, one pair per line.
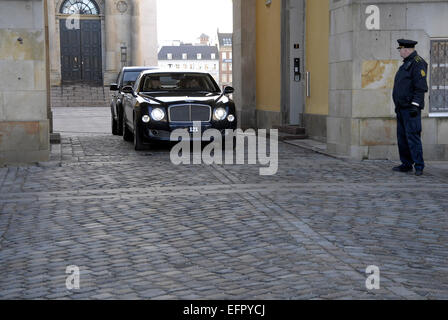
139,227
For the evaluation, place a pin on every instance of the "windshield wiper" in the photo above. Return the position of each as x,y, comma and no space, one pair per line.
151,92
198,91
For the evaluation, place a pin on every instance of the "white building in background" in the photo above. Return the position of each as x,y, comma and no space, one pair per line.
225,59
190,57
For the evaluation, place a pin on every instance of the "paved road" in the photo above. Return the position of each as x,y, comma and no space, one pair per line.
81,121
139,227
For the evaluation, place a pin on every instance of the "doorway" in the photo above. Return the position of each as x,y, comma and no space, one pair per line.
81,52
293,64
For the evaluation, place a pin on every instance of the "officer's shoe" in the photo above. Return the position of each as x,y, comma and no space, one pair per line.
418,173
402,168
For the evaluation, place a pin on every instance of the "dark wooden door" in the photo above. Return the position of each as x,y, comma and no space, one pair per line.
70,52
91,50
81,59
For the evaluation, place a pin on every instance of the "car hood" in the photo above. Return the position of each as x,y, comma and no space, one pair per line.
182,97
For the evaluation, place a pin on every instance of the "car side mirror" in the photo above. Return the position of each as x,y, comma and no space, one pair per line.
113,87
229,90
128,89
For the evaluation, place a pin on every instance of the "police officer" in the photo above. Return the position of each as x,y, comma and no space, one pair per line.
409,98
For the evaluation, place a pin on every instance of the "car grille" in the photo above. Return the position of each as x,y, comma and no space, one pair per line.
189,113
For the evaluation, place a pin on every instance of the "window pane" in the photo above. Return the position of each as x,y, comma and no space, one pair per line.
130,77
438,92
80,7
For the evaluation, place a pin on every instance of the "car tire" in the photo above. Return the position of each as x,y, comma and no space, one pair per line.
138,143
114,125
127,134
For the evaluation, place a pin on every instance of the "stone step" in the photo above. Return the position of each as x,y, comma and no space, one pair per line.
291,129
286,136
78,95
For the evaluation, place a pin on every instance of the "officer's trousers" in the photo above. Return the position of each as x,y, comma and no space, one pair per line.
409,131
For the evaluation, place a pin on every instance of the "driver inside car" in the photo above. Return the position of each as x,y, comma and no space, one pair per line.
152,84
189,83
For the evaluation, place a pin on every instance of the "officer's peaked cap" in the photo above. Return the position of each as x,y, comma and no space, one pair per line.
403,43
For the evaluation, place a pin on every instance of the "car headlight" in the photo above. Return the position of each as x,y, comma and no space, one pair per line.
146,118
220,113
231,118
157,114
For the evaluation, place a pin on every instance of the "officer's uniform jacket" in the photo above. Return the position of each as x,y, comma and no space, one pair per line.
410,83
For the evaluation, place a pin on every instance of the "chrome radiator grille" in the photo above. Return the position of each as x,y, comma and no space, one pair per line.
189,113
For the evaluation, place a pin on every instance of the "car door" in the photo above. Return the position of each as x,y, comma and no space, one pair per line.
134,99
127,108
116,97
120,93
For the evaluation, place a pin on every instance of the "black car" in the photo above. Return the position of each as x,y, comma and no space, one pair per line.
162,101
126,77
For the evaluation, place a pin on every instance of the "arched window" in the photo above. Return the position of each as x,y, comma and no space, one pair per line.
80,7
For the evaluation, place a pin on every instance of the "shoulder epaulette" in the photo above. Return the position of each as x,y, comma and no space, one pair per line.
418,58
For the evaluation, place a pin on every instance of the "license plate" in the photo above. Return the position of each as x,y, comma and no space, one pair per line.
194,129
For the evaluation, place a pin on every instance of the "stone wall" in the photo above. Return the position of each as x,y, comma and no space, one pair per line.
80,95
24,128
363,63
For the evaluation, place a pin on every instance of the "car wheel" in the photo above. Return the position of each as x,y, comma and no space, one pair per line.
127,134
138,143
114,126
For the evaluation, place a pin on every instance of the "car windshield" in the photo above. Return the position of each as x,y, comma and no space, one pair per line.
129,77
178,82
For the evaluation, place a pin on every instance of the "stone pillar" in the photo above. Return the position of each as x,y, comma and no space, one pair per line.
244,61
24,127
55,47
148,33
135,36
339,120
117,14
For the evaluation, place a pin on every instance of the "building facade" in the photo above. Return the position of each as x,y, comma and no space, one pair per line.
66,52
204,39
91,40
329,65
190,57
225,59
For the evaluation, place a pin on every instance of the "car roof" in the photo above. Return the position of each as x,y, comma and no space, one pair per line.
151,71
137,68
